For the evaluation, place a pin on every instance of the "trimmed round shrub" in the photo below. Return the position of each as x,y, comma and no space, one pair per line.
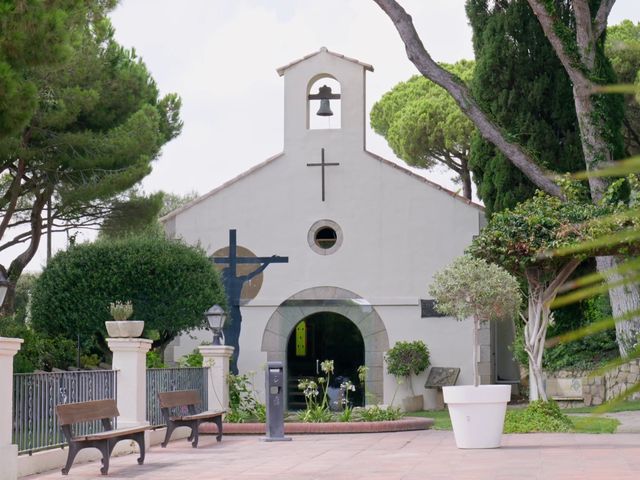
170,285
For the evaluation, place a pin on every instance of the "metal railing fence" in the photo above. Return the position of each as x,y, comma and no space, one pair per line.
35,396
172,379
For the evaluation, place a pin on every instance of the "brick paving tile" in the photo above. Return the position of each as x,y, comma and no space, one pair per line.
416,455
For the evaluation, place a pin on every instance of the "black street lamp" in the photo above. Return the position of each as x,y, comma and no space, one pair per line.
216,317
4,286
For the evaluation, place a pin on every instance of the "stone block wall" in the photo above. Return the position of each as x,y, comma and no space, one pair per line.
596,390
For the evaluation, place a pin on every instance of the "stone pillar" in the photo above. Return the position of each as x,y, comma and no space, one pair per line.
8,452
130,359
216,357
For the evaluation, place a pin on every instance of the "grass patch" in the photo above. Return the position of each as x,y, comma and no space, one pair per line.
440,417
627,406
537,418
594,424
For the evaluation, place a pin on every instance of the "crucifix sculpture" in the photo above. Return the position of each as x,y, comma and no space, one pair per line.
233,284
322,164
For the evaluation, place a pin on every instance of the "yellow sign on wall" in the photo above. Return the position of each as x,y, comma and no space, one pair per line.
301,339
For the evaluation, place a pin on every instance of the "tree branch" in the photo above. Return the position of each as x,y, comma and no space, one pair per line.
547,24
552,289
14,195
431,70
584,33
602,18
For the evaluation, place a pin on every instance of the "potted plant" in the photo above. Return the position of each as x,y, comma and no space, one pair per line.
403,360
473,288
121,326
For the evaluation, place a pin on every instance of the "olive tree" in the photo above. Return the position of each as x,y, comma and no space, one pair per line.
472,288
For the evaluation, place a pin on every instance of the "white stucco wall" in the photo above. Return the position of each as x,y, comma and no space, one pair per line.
398,230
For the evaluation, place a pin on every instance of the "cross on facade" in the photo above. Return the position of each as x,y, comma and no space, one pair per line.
322,164
233,284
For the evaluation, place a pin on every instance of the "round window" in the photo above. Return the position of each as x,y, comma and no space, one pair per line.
325,237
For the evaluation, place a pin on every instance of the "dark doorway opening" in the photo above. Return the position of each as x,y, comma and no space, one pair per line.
319,337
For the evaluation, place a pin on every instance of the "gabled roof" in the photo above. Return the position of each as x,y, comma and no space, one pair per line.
389,163
426,180
202,198
281,70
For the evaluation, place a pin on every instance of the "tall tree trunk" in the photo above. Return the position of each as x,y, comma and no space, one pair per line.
534,335
465,177
476,373
624,300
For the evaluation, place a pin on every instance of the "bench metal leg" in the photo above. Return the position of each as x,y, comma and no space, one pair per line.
218,422
170,428
73,451
195,433
106,448
139,439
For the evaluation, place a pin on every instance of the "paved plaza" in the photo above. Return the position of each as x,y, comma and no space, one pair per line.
418,455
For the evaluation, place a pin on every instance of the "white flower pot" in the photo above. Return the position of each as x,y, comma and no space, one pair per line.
477,414
124,328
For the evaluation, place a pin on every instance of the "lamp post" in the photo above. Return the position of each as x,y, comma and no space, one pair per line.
216,317
4,286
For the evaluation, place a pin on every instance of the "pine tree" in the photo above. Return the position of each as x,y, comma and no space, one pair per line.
520,82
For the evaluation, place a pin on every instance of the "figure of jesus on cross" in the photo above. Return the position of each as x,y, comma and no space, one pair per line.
233,284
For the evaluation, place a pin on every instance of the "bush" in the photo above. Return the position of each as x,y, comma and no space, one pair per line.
244,405
39,351
376,413
169,283
154,360
405,358
194,359
539,416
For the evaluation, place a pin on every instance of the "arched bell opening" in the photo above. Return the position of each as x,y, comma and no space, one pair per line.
324,105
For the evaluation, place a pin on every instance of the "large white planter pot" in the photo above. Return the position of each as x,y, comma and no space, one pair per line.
477,414
124,328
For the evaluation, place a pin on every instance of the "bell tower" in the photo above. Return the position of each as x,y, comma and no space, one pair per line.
324,102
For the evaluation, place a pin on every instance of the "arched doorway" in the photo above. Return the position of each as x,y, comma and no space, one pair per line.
319,337
305,303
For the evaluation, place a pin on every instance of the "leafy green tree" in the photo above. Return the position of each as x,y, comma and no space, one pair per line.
623,49
520,240
99,123
424,126
135,215
36,34
472,288
522,85
173,201
577,35
169,283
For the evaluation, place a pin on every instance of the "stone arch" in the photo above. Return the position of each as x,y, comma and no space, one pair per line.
337,300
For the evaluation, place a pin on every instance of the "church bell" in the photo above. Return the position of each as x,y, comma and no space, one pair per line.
324,95
325,108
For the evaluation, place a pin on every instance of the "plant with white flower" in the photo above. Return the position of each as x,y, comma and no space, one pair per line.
327,367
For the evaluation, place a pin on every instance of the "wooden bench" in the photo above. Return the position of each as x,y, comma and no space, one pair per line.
189,399
103,410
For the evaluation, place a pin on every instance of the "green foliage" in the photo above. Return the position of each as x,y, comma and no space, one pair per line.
39,351
121,310
623,49
194,359
376,413
538,416
97,124
524,236
406,358
89,361
169,283
471,287
134,215
594,424
244,405
154,360
173,201
521,84
423,124
316,395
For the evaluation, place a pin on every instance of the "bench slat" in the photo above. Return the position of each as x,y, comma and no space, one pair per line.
178,398
200,416
71,413
113,433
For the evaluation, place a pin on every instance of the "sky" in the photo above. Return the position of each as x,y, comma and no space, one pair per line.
221,57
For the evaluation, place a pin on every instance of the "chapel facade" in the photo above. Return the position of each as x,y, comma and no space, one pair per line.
327,250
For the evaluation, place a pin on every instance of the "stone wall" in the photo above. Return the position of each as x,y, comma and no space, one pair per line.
595,389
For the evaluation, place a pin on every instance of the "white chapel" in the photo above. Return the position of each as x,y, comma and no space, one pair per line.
327,250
